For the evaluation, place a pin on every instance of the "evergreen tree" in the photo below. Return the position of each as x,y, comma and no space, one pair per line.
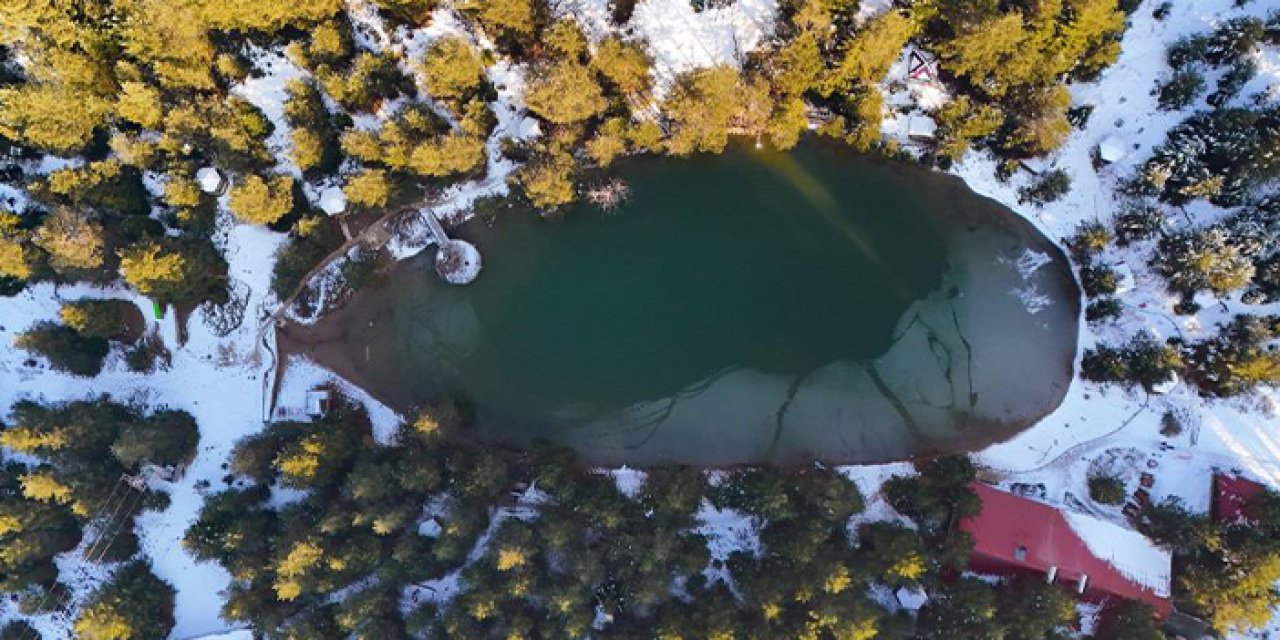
564,92
65,348
75,243
94,318
134,605
452,68
172,272
700,108
258,201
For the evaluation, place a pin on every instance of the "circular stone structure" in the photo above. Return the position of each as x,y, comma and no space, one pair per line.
458,262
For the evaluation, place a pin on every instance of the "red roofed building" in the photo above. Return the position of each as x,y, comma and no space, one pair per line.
1233,497
1092,557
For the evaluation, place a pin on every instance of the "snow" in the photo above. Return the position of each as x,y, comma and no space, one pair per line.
1112,149
221,380
911,599
333,201
238,634
267,93
727,531
1131,553
681,39
628,480
910,102
868,9
1094,417
1124,278
594,17
205,374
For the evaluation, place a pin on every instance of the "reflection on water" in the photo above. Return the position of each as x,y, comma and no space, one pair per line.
739,309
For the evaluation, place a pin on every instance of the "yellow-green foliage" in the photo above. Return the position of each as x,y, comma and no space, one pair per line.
176,47
152,270
135,150
306,148
866,108
452,67
565,39
452,154
646,135
265,16
511,557
51,117
609,142
370,188
31,441
258,201
102,622
182,191
787,122
625,65
16,255
411,142
865,59
95,318
140,103
798,65
962,120
1039,121
503,16
72,240
329,42
701,108
1240,601
548,182
564,93
44,487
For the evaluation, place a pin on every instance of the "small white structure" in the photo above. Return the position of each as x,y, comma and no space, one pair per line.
318,403
430,528
210,180
1112,150
911,599
333,201
921,128
1124,278
1166,387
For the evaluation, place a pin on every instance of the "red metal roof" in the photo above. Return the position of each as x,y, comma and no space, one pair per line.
1015,534
1232,498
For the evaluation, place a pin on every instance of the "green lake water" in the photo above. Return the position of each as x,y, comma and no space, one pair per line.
748,307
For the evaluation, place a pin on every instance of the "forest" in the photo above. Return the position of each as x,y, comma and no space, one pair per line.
110,108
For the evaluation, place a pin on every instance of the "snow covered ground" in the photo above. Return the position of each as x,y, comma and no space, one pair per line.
220,380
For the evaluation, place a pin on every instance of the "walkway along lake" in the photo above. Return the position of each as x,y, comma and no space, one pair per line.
748,307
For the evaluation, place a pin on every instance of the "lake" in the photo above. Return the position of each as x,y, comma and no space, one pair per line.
753,306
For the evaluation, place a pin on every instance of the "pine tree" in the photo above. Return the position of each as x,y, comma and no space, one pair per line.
624,65
54,118
65,348
93,318
564,93
258,201
74,242
172,272
140,103
700,109
548,182
452,67
134,605
371,188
